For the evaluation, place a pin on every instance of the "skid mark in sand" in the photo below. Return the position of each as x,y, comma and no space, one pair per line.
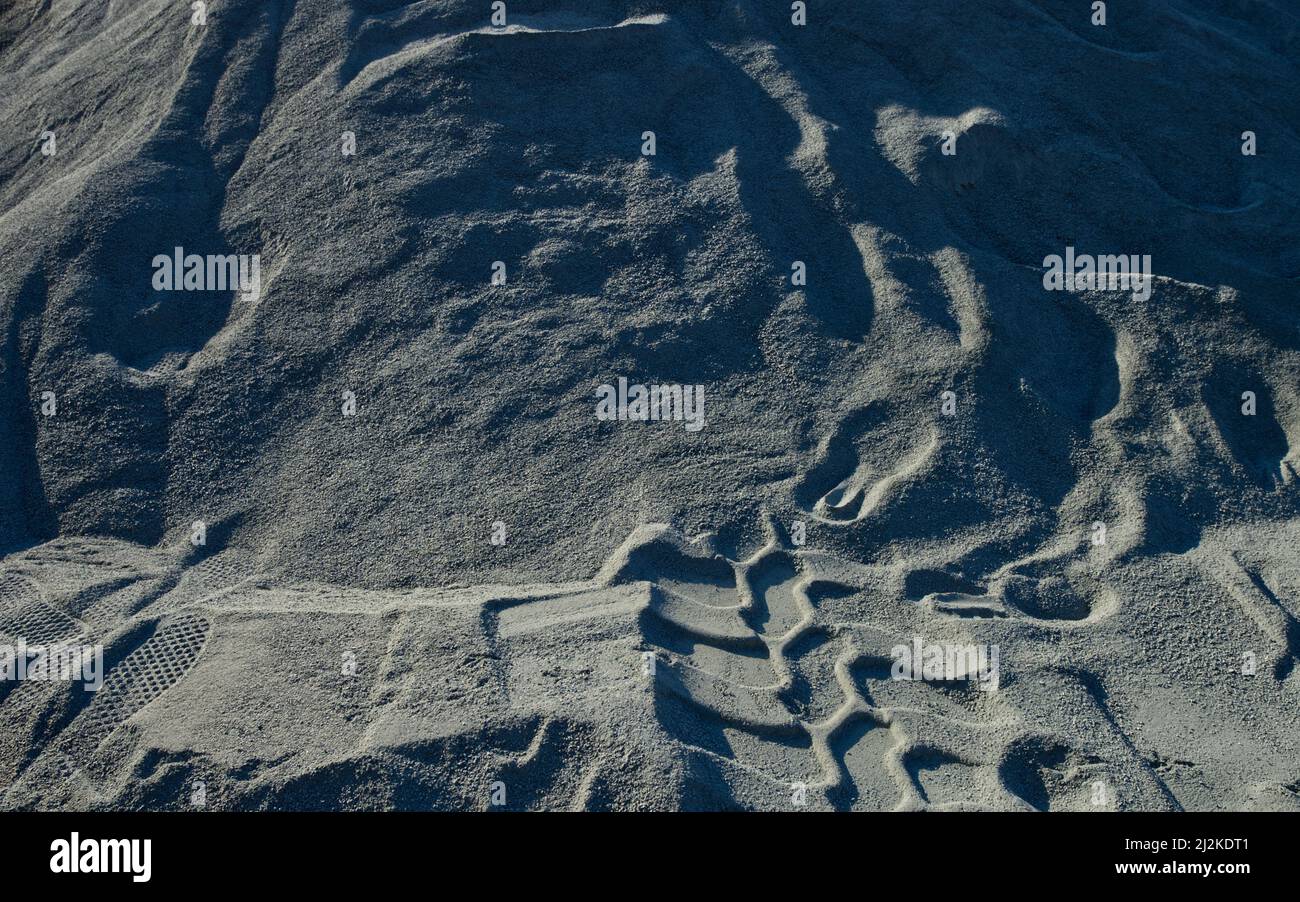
1100,698
1266,611
95,553
688,579
860,493
551,772
1050,775
848,484
1257,446
181,587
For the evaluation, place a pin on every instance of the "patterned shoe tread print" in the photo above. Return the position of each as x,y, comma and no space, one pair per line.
143,676
25,615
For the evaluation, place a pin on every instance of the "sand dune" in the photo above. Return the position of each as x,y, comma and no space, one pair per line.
431,577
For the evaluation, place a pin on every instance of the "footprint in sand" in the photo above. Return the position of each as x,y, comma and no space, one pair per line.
1049,598
156,665
25,615
850,480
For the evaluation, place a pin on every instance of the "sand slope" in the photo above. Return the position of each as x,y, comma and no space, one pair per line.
776,143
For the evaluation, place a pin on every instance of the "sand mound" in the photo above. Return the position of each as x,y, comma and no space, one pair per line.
390,440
